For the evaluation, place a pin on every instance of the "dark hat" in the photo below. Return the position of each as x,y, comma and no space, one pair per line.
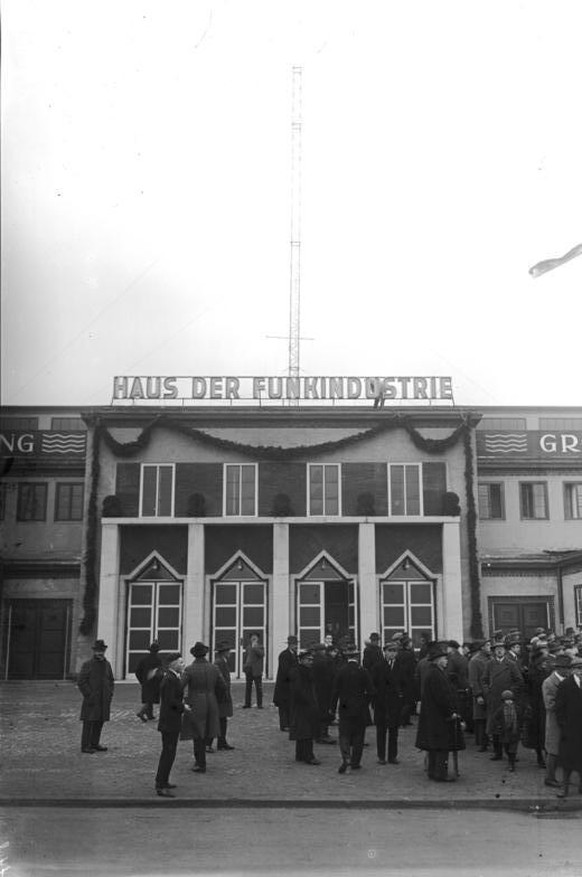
540,630
172,656
507,694
292,640
350,649
453,644
375,636
318,647
99,645
576,662
223,647
498,641
562,662
304,653
199,650
391,645
155,646
437,650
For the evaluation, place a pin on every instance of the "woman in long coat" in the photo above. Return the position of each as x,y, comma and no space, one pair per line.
438,730
203,684
304,709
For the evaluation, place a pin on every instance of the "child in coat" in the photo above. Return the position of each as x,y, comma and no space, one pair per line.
506,723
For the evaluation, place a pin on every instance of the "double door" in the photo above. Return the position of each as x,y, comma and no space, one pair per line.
326,607
154,613
239,608
39,636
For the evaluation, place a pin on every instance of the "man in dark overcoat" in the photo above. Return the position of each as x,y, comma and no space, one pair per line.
352,692
304,709
372,652
95,682
569,716
287,660
170,721
406,662
387,703
323,675
501,673
477,664
204,687
438,720
253,665
225,705
458,673
149,675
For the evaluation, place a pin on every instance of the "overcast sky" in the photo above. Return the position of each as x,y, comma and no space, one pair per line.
146,193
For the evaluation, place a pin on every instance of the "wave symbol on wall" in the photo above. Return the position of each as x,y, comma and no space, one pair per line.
506,443
63,443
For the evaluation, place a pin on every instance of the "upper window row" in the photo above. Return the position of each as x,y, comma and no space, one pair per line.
533,500
405,496
27,424
32,501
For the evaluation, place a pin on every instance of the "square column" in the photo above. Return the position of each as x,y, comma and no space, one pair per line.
452,614
368,620
281,598
109,606
193,624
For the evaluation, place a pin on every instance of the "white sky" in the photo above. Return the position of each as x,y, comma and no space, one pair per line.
146,192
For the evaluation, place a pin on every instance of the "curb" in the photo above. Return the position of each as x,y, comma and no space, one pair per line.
528,805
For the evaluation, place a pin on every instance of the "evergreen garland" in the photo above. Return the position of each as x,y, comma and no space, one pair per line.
474,579
89,597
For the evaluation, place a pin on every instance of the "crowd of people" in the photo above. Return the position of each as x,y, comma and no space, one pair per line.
503,691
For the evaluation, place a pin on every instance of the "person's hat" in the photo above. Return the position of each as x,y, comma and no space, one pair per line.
390,646
155,646
318,647
223,647
555,647
172,656
292,640
437,650
562,662
540,631
99,645
374,637
477,644
513,639
453,644
576,663
507,694
199,650
350,649
397,636
498,641
304,653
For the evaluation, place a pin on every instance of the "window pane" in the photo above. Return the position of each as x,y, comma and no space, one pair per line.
32,502
308,637
169,595
331,490
168,640
165,491
394,616
232,490
420,593
149,480
412,490
141,617
69,502
225,594
309,616
309,593
139,640
393,593
316,490
141,595
397,490
68,423
254,593
420,616
253,616
226,616
248,490
168,617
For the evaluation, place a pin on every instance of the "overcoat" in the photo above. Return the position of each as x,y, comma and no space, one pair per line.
323,675
406,662
281,694
203,684
500,676
549,688
305,722
353,690
534,732
477,666
372,655
569,715
95,682
254,660
225,707
387,700
436,729
171,703
150,687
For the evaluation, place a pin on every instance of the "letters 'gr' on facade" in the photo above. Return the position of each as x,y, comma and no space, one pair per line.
209,522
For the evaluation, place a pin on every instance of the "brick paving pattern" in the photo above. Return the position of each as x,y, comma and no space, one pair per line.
41,761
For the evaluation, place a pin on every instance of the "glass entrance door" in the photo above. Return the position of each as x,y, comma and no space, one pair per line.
154,613
325,607
408,606
239,609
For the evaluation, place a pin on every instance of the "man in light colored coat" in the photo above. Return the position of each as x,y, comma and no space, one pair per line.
477,665
549,688
204,685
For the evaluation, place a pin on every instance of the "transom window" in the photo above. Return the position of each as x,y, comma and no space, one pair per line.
157,490
69,502
491,501
534,500
573,500
32,497
240,490
405,489
324,489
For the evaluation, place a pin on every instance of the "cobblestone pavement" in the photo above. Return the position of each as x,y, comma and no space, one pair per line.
41,762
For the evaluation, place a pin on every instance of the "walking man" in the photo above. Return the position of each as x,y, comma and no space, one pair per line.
352,692
96,684
170,721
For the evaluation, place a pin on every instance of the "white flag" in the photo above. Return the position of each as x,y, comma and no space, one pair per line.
549,264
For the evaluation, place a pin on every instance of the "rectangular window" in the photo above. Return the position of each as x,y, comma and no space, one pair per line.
408,605
324,489
68,423
69,502
574,423
578,604
157,490
32,501
405,489
534,500
240,490
491,501
19,424
502,423
573,500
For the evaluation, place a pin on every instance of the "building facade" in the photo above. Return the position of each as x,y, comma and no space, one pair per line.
212,522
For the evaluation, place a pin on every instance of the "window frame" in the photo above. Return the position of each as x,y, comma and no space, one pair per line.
59,485
157,466
19,502
489,484
239,513
325,513
578,604
523,517
568,503
407,514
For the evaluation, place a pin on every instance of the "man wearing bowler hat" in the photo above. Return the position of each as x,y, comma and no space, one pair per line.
95,682
281,696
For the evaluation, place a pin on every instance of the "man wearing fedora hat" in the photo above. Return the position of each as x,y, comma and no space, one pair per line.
569,716
149,675
287,660
501,674
352,692
225,705
204,686
560,671
95,682
438,727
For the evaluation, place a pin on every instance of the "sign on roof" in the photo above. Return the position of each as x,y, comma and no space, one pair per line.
533,444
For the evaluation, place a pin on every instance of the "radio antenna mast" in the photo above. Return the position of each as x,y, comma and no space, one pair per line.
295,279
